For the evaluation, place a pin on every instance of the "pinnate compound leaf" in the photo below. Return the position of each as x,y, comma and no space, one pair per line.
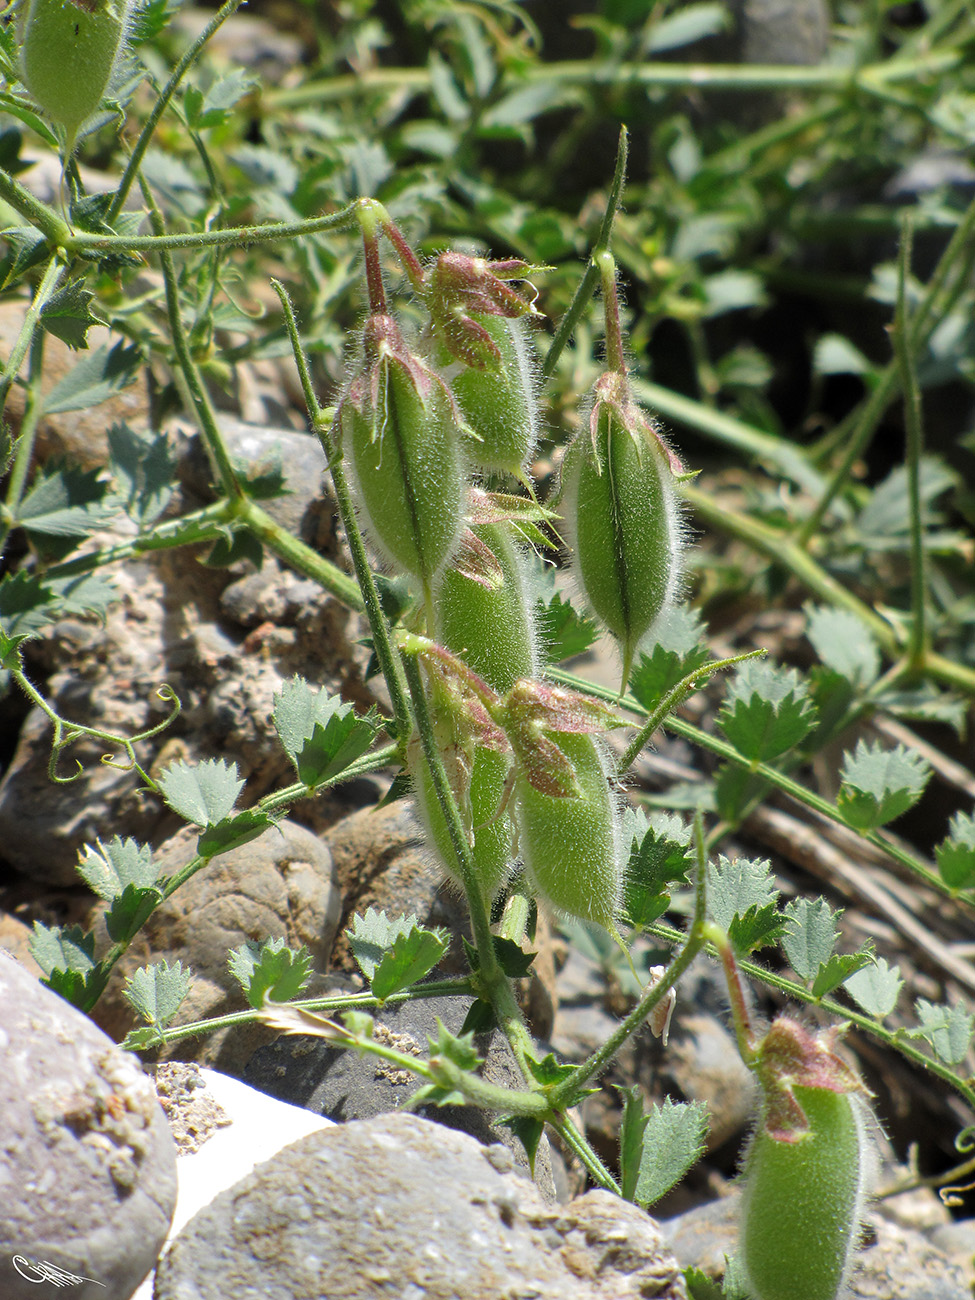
767,711
459,1050
321,735
838,968
65,501
660,856
565,632
844,644
658,1147
529,1132
411,956
29,602
947,1029
66,955
156,992
232,832
269,970
678,650
68,315
876,988
956,854
880,784
95,379
212,108
812,936
143,465
203,794
702,1287
743,901
373,935
107,868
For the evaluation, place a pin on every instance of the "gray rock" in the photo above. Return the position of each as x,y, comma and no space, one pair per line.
88,1175
280,885
345,1086
401,1207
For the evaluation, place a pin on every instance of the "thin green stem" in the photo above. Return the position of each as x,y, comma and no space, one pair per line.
50,223
206,419
152,121
480,921
204,525
25,439
917,639
578,1145
788,552
725,429
25,336
231,237
298,555
615,356
782,549
696,77
937,300
349,1002
587,285
673,699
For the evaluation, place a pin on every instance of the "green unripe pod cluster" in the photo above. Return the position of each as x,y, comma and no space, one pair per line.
571,846
622,518
806,1174
401,426
68,53
499,402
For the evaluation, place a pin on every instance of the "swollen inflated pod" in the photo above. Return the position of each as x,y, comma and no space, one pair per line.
806,1171
619,501
571,845
402,427
69,50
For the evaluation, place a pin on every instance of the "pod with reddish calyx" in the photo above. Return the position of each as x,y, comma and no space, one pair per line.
807,1170
622,516
485,616
476,762
565,810
476,318
402,428
571,845
69,50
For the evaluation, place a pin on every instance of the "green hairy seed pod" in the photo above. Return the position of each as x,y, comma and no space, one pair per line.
571,846
69,49
622,517
499,404
401,426
802,1201
489,626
